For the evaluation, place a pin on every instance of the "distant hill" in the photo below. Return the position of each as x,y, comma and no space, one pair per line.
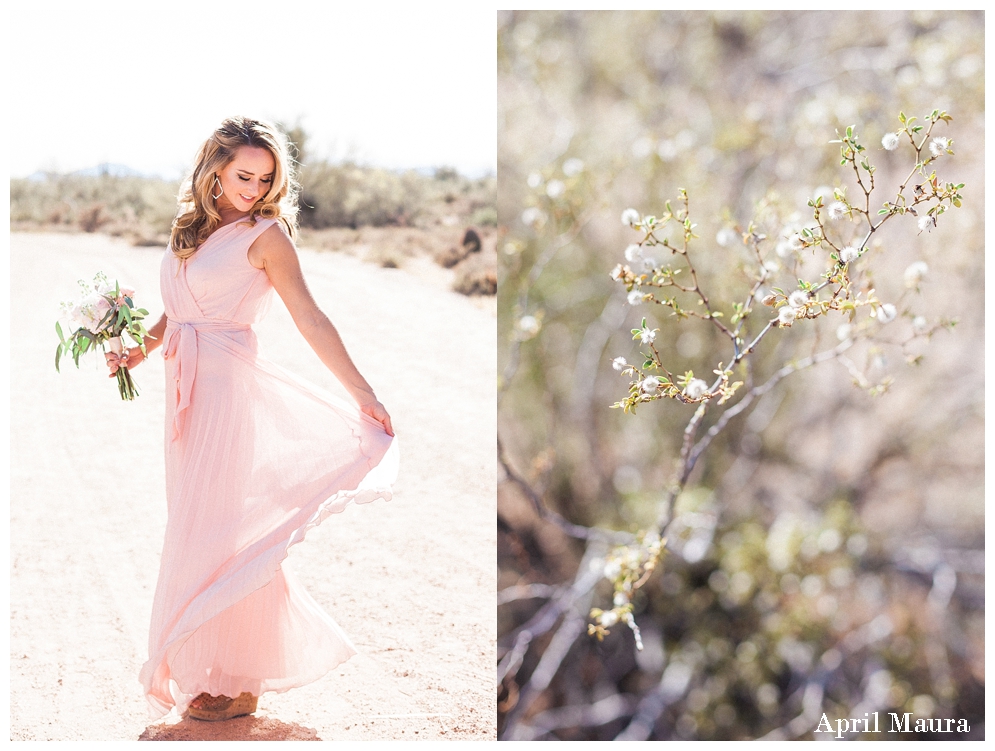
101,170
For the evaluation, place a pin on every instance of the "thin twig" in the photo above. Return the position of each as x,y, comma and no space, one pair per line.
526,592
574,530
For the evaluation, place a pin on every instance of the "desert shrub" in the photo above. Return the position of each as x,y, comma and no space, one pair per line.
333,195
449,257
477,275
386,257
93,217
347,195
485,216
91,202
804,547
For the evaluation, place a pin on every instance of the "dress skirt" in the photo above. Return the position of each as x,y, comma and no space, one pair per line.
254,458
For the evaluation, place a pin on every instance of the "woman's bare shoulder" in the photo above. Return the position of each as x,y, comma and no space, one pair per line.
273,244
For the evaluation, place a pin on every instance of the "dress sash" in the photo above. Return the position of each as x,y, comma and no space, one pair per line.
181,340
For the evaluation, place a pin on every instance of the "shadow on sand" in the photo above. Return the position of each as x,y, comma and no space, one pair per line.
239,729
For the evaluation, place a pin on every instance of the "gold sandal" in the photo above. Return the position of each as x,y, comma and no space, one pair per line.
215,708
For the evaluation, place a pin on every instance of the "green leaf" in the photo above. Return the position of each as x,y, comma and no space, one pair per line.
58,330
58,354
105,319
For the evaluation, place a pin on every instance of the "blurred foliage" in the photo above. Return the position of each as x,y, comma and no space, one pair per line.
345,194
827,553
139,206
332,195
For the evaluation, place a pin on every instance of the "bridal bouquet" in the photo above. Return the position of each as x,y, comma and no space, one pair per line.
101,316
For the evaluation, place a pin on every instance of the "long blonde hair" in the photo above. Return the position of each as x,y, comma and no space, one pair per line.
197,216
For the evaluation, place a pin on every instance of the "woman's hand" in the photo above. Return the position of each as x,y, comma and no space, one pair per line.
133,356
379,413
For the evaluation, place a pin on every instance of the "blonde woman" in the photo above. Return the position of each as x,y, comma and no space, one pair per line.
254,456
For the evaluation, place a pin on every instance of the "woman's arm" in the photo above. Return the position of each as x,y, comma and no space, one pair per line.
274,252
135,356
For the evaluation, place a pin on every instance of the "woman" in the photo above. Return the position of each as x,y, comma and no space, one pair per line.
254,456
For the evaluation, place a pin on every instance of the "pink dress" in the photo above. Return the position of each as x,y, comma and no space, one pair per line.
254,458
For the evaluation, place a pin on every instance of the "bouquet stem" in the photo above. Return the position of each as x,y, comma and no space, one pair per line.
125,385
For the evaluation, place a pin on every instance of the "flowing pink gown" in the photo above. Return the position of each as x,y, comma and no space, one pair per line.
254,458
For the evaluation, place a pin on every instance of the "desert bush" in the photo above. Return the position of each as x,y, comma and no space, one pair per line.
760,543
92,202
477,275
385,257
93,217
347,195
485,216
333,195
449,257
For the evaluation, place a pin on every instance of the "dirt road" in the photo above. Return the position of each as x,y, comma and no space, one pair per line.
411,581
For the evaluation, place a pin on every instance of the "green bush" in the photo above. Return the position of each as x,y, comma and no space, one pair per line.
91,202
346,195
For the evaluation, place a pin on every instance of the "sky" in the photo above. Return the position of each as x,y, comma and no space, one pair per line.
144,84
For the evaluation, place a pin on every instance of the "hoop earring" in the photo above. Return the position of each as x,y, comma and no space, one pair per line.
221,190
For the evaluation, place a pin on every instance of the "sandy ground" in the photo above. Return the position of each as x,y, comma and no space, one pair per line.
411,581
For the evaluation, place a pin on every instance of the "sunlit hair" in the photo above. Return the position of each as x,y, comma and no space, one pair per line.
197,216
